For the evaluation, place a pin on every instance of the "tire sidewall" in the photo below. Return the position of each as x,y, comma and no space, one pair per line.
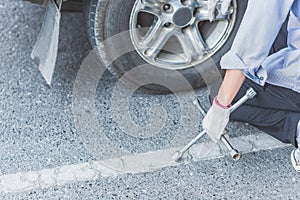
114,18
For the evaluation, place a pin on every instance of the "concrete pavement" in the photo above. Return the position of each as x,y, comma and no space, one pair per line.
38,134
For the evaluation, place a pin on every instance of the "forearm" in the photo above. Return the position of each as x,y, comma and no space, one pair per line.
232,83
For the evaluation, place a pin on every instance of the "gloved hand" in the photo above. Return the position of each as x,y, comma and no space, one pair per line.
216,120
211,5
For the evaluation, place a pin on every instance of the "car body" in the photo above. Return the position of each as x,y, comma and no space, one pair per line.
186,43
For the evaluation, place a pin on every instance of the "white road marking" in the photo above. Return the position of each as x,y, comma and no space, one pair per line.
137,163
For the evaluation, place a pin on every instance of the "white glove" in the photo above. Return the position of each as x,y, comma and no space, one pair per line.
211,6
216,120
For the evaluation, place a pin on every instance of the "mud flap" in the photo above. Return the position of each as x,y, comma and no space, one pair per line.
44,52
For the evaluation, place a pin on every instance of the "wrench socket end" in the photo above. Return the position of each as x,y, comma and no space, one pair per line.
235,155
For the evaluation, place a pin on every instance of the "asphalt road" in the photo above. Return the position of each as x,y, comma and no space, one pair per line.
38,128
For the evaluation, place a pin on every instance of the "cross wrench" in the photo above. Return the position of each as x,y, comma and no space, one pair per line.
233,152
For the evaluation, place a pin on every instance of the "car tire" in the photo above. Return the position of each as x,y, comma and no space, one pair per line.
106,18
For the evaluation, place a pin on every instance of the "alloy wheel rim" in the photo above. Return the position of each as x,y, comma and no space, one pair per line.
177,34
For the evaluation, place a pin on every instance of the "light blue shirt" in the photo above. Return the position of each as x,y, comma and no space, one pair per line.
258,30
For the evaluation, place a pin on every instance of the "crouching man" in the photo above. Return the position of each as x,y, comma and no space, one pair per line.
275,77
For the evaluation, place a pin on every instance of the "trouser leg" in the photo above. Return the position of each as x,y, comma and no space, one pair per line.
275,110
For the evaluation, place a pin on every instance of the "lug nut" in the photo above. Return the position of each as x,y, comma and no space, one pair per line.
168,24
167,7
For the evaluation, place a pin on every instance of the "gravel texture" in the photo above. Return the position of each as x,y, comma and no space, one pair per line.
36,122
37,128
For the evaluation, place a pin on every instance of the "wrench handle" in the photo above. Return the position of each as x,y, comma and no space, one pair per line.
186,147
233,152
249,95
235,155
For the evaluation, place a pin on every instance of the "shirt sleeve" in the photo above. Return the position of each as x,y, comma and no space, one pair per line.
259,28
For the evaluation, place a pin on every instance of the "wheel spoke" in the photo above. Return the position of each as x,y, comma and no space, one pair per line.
152,6
152,33
202,12
157,43
221,17
194,35
199,3
187,46
192,43
201,15
152,2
